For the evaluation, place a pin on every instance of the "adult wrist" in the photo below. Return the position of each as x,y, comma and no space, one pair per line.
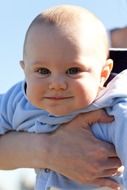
42,151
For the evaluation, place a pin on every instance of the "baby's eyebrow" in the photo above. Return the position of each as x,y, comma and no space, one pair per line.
78,64
39,63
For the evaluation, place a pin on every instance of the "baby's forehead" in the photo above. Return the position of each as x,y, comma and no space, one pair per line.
66,15
68,20
71,19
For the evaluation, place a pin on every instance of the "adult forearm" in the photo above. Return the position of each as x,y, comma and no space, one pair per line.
68,151
23,150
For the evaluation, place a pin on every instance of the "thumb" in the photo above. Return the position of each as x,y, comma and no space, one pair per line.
98,116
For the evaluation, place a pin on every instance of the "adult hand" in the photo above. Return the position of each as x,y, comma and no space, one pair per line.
72,150
77,154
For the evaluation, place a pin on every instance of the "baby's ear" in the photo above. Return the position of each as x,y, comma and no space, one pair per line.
22,64
106,70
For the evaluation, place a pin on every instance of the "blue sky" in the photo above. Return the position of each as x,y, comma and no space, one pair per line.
15,16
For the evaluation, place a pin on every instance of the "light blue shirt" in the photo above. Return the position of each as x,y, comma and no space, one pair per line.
18,114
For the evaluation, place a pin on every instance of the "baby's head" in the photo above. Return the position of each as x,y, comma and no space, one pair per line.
65,59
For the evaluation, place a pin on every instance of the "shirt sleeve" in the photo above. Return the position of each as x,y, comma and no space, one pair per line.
7,108
116,132
119,130
119,137
4,120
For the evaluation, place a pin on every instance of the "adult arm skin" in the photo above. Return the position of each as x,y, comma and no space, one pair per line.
72,151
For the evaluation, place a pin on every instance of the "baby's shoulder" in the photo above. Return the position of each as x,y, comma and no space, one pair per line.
12,96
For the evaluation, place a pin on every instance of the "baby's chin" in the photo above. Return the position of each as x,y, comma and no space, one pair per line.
65,111
60,112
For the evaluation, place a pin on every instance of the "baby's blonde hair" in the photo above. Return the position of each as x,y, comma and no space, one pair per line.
68,16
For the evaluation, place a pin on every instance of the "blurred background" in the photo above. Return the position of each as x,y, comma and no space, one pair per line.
20,179
15,17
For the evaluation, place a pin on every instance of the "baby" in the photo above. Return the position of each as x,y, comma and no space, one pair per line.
65,65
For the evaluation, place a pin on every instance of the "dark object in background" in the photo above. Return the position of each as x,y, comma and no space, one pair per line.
119,57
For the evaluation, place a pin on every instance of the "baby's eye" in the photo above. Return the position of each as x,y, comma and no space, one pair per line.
73,71
43,71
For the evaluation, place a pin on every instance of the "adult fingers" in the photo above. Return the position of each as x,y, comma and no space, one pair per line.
110,172
106,182
106,149
95,116
111,163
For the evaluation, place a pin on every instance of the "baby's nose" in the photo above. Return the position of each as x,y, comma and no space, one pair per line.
58,83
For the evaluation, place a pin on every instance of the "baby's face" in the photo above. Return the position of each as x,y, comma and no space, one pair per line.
62,75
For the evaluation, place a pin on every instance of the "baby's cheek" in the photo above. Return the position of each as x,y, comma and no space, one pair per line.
87,94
